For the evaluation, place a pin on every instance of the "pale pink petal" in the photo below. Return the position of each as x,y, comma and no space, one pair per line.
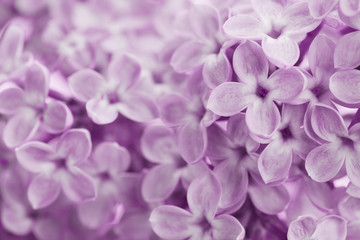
78,186
217,70
110,156
36,85
353,190
173,109
11,46
352,164
219,145
171,222
75,145
268,9
353,230
301,228
285,84
100,111
227,227
229,98
20,127
321,8
125,70
327,123
35,156
43,191
269,200
159,183
283,51
86,84
350,7
204,21
189,56
331,227
250,63
192,141
204,195
233,180
158,145
345,85
262,118
298,19
11,98
275,162
321,57
353,21
244,26
347,51
320,194
138,107
349,208
323,163
57,117
15,221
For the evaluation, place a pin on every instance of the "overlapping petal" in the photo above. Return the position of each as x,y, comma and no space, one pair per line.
43,191
347,51
345,86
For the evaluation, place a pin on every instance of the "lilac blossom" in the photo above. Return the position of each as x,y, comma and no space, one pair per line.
256,92
278,25
201,222
56,167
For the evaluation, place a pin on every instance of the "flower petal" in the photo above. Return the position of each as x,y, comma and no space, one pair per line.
298,19
275,162
269,200
43,191
250,63
345,85
324,162
204,21
125,70
11,98
48,228
20,127
347,51
100,111
110,156
159,183
78,186
75,145
227,227
244,26
172,109
192,141
219,145
36,85
204,195
262,118
327,123
11,46
35,156
268,9
57,117
321,8
86,84
15,221
217,70
301,228
352,164
321,57
229,98
282,52
331,227
353,230
285,84
139,108
349,7
353,21
158,145
171,222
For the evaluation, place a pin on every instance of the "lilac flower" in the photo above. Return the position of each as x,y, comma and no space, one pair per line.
205,48
331,227
349,12
203,196
256,92
279,27
56,167
345,56
29,109
158,146
321,8
105,98
341,145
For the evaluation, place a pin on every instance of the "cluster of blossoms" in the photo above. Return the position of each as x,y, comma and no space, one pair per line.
179,119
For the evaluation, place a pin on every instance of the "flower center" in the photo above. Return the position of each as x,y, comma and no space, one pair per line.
261,92
61,163
286,133
347,142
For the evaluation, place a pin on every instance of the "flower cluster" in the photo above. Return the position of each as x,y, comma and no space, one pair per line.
179,119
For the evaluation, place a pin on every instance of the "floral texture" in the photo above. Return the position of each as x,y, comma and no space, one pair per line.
179,120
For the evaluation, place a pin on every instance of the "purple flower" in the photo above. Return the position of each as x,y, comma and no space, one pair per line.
56,167
203,197
279,27
106,98
256,92
349,12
